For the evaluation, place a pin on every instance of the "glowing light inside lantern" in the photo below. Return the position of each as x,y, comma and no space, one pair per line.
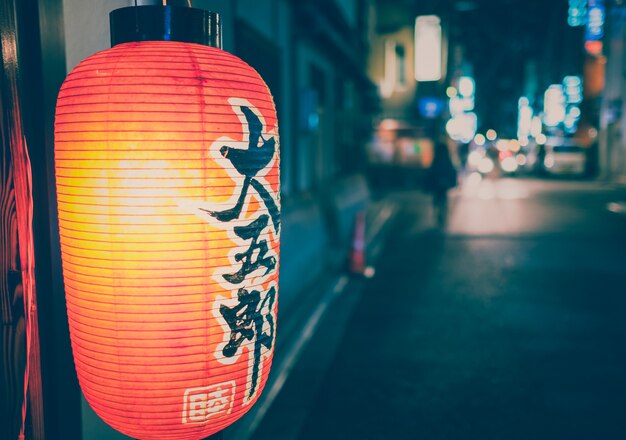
168,180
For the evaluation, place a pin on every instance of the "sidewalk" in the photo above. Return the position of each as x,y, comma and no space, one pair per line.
329,297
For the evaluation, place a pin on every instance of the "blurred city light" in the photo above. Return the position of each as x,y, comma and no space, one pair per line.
462,127
514,145
460,105
577,13
389,79
595,20
509,164
486,165
313,121
466,86
491,134
479,139
541,139
573,88
594,47
463,122
502,145
474,179
595,27
389,124
535,126
554,105
430,107
428,48
571,119
474,158
524,118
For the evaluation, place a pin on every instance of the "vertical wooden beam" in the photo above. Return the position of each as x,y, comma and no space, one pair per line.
42,58
11,293
33,69
20,354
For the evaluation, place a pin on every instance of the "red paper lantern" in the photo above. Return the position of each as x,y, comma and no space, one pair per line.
168,196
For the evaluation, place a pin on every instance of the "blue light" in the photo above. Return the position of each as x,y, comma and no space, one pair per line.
573,88
577,13
595,21
430,107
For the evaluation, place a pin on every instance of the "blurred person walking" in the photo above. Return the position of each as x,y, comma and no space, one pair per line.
441,177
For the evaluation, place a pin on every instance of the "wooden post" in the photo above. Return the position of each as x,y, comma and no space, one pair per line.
33,67
20,333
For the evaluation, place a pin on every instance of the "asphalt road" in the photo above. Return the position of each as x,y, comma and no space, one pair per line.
509,324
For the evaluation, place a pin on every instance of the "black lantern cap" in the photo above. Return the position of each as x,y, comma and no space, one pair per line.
165,23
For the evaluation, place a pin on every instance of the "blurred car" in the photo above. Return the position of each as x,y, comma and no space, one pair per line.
563,156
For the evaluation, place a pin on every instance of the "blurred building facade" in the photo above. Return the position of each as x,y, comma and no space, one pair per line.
411,108
311,53
612,137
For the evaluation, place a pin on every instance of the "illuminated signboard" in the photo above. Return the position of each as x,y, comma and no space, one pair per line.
428,48
430,107
554,105
577,13
595,21
573,88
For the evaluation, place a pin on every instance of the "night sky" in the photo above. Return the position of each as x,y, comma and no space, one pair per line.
505,40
